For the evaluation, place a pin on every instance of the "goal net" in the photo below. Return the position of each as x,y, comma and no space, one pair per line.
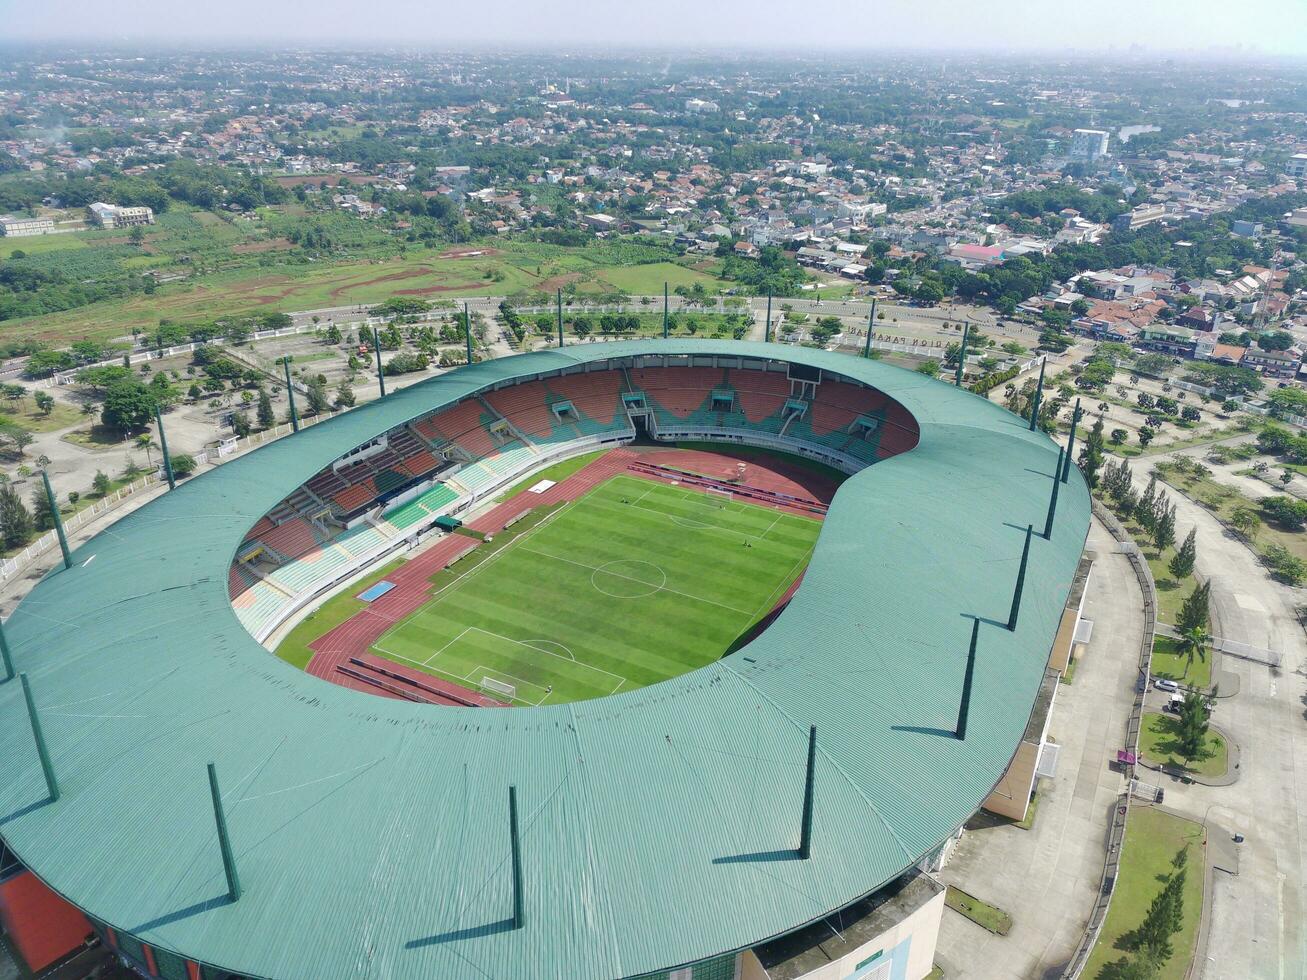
499,687
718,498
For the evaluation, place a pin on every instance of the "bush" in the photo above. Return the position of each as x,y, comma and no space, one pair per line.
183,464
1285,564
406,363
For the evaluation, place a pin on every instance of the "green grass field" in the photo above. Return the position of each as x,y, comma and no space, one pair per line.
629,585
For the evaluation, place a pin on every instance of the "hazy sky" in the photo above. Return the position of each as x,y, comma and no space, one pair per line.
1269,26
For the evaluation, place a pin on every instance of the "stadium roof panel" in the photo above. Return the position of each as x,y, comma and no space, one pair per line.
371,835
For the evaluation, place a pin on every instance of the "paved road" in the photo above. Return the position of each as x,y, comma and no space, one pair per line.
1257,917
1048,877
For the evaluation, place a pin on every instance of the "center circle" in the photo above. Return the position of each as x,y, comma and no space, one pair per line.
628,578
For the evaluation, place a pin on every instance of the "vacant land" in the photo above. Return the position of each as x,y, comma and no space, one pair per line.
634,583
1152,840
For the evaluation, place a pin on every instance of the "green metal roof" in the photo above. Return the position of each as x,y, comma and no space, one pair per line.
372,835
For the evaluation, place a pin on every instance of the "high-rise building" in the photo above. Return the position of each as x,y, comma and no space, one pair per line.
1296,166
1089,144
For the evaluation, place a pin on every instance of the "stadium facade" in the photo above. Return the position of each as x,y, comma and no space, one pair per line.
729,822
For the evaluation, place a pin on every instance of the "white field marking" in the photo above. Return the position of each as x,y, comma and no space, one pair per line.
553,643
88,561
451,587
604,569
508,639
685,595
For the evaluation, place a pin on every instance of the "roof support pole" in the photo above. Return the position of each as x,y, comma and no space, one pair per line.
960,733
871,329
1021,580
1070,443
805,828
1052,499
381,374
1039,396
516,843
666,310
467,327
163,448
560,319
52,787
766,327
224,841
962,353
5,656
58,520
290,396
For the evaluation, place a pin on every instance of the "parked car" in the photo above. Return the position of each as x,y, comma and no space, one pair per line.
1174,704
1165,684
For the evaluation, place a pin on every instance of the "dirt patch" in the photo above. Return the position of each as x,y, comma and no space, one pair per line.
428,290
274,245
331,180
421,270
558,282
469,253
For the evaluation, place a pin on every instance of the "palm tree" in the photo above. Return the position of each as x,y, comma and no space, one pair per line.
145,441
1193,643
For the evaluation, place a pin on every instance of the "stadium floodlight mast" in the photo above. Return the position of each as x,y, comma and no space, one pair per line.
467,329
224,840
964,708
163,449
381,374
666,310
871,329
515,842
6,658
962,352
560,319
1039,396
290,397
1052,499
58,521
766,328
805,828
1070,443
52,787
1021,581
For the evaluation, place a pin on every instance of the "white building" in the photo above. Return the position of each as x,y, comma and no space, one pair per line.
1089,144
113,216
1296,166
701,105
20,227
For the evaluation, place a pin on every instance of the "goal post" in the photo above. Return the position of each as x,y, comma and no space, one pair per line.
499,687
718,498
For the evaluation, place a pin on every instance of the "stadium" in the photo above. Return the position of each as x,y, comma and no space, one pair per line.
707,703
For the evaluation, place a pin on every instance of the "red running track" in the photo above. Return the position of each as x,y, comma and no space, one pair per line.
412,585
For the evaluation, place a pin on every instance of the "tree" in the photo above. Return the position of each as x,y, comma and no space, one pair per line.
264,414
1289,512
1164,527
1193,643
1246,522
344,395
1119,436
1091,457
101,483
333,334
1192,725
1164,918
145,441
1145,436
317,396
15,520
929,368
1194,610
42,514
44,402
1182,562
240,424
183,464
128,406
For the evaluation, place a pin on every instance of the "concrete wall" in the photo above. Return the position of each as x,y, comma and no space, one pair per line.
909,944
1012,794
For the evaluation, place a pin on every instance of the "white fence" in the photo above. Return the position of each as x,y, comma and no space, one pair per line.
15,564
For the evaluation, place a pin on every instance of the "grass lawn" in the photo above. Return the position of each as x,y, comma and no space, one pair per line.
294,649
1169,662
647,280
96,437
1157,741
1171,592
27,417
981,913
608,593
1152,839
1222,501
558,473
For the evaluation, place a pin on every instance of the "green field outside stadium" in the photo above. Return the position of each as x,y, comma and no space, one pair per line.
631,584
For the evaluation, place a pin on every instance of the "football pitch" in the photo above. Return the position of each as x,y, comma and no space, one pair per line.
631,584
